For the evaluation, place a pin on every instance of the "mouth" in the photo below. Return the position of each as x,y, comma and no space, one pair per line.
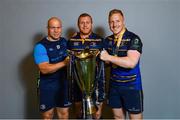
56,34
115,27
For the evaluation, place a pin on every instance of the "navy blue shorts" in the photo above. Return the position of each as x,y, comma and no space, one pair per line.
130,100
53,96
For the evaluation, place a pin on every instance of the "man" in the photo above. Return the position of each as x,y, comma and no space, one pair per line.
86,39
50,57
124,51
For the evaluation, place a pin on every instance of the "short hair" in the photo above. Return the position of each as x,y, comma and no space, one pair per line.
114,11
85,15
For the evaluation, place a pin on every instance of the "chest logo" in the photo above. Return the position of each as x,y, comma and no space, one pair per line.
51,49
110,43
93,44
58,47
76,43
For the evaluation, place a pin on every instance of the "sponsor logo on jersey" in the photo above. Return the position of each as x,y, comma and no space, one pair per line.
51,49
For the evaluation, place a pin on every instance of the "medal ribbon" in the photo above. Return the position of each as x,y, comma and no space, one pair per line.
119,39
83,40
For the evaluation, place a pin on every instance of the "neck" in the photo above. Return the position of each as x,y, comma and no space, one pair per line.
83,36
51,39
120,33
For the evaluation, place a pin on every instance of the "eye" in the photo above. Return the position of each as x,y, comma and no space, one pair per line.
51,27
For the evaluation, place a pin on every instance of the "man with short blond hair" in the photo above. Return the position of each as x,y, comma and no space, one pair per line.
123,51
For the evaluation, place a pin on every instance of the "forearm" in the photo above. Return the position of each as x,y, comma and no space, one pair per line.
128,61
47,68
125,62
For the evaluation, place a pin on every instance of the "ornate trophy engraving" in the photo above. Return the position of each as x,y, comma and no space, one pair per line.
84,71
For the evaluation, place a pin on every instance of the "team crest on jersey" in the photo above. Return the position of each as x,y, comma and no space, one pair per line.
58,46
136,41
42,107
122,43
110,43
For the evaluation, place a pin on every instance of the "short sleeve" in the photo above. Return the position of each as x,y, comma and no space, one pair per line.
40,54
136,44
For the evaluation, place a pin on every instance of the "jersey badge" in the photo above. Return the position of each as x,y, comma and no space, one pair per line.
58,46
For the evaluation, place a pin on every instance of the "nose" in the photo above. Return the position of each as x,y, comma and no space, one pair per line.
85,24
115,24
56,29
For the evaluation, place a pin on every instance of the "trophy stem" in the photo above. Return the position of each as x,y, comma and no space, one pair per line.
88,107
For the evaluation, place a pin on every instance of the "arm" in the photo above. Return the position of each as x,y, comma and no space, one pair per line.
129,61
42,60
46,67
132,58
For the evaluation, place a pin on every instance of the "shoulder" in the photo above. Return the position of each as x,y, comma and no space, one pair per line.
63,39
39,47
96,36
75,35
111,37
40,44
42,41
131,35
135,42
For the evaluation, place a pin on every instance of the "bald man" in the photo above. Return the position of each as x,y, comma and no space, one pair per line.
51,58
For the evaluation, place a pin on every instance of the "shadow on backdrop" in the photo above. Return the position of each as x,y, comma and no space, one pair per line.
70,32
29,72
100,31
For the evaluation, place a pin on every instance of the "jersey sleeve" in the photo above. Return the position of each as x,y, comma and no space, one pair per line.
136,44
40,54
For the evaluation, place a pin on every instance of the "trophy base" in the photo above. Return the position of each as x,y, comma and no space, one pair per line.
88,108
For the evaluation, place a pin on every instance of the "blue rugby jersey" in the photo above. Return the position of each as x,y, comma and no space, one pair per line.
93,43
125,77
52,52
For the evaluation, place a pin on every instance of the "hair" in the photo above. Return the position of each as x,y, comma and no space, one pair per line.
85,15
114,11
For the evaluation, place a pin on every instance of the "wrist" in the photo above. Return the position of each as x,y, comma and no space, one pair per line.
109,58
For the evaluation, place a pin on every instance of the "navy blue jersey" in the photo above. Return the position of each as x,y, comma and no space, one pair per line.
52,52
93,43
125,77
